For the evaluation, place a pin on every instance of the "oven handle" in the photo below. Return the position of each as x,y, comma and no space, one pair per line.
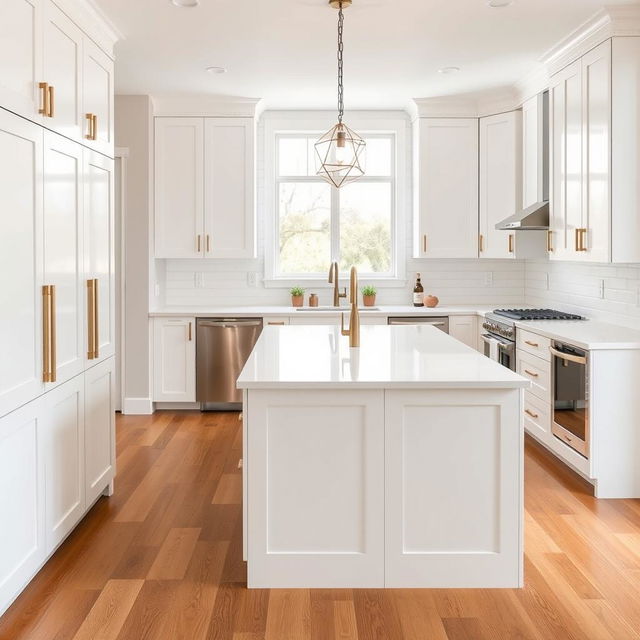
501,345
568,356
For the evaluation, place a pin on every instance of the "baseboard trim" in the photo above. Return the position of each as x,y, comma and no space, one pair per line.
178,406
137,406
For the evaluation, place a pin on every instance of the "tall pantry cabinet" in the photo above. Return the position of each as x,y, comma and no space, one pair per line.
57,276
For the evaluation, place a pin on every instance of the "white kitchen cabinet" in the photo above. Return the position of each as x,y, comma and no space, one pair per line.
174,357
99,256
204,182
62,73
534,148
500,181
63,253
22,534
21,274
63,446
97,98
229,212
446,188
465,329
179,187
99,428
21,56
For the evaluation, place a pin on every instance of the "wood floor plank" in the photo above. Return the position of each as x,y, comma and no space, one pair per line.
110,610
173,530
174,555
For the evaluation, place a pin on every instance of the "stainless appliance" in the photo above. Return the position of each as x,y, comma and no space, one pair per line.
570,389
500,340
535,314
440,322
223,346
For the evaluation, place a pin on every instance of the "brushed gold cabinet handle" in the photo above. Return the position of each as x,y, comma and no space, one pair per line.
583,235
44,97
549,241
89,118
275,323
189,332
49,333
208,243
481,243
94,127
533,415
424,243
52,101
92,319
577,239
533,375
198,244
510,243
96,319
531,344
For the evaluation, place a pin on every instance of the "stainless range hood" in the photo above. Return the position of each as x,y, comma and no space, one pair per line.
534,217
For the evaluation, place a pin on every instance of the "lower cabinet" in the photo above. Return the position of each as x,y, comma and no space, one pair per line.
174,356
57,455
465,329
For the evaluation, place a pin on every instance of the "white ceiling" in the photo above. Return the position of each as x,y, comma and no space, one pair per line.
284,50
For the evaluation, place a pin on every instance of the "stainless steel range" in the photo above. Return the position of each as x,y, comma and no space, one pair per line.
500,339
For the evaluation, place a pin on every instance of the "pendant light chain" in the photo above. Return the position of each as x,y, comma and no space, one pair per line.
340,64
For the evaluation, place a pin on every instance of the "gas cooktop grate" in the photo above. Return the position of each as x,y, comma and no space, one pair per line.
536,314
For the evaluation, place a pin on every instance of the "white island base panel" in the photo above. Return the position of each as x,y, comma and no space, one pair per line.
356,488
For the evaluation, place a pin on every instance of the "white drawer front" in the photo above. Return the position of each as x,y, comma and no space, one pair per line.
275,321
538,371
537,416
534,344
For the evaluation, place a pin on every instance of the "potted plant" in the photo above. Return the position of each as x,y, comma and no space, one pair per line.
297,296
369,295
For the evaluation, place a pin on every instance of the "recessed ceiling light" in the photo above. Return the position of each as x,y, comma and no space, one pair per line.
448,70
216,70
498,4
185,3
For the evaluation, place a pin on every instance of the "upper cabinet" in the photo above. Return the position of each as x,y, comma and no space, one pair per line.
595,135
446,184
500,181
204,176
53,73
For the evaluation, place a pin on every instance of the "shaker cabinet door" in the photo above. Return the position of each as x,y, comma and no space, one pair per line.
174,360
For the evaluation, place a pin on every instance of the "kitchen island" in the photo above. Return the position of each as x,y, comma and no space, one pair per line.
398,464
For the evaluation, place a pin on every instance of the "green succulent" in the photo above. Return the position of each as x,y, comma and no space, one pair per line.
296,291
369,290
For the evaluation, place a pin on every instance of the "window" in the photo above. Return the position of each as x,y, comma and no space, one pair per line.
316,223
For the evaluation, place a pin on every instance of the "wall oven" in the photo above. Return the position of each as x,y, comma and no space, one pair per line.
570,399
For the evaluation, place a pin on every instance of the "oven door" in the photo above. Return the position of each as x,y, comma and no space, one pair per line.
500,349
570,387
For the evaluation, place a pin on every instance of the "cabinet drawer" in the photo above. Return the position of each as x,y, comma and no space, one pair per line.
534,344
538,371
537,416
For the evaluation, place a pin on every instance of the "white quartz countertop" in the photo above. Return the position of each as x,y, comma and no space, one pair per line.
586,334
401,357
378,310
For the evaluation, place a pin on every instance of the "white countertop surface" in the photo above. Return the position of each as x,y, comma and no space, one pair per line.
586,334
400,357
380,310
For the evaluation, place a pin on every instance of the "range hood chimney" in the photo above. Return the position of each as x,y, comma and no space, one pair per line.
534,217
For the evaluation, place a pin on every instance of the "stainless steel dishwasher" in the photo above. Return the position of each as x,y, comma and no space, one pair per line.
440,322
223,346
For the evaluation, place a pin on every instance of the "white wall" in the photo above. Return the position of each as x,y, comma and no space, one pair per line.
132,125
604,292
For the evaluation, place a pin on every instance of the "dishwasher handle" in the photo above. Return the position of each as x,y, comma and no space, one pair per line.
230,322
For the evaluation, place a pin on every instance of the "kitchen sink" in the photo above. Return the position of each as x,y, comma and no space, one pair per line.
337,309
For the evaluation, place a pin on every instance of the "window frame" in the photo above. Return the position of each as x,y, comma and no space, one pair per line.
276,125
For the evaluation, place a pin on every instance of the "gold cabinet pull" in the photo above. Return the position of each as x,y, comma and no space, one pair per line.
208,243
583,237
424,243
577,239
275,323
52,101
89,117
480,243
96,319
549,241
94,127
189,332
510,243
533,415
44,99
198,244
49,333
531,344
530,373
92,319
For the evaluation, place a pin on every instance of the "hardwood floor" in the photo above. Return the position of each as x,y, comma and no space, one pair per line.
162,559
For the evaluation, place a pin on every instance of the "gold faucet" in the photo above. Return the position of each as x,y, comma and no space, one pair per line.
354,317
333,279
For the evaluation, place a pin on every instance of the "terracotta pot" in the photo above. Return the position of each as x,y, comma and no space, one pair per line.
431,301
369,301
297,301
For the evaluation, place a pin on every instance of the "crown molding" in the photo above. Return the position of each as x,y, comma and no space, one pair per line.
616,20
469,105
532,84
191,105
